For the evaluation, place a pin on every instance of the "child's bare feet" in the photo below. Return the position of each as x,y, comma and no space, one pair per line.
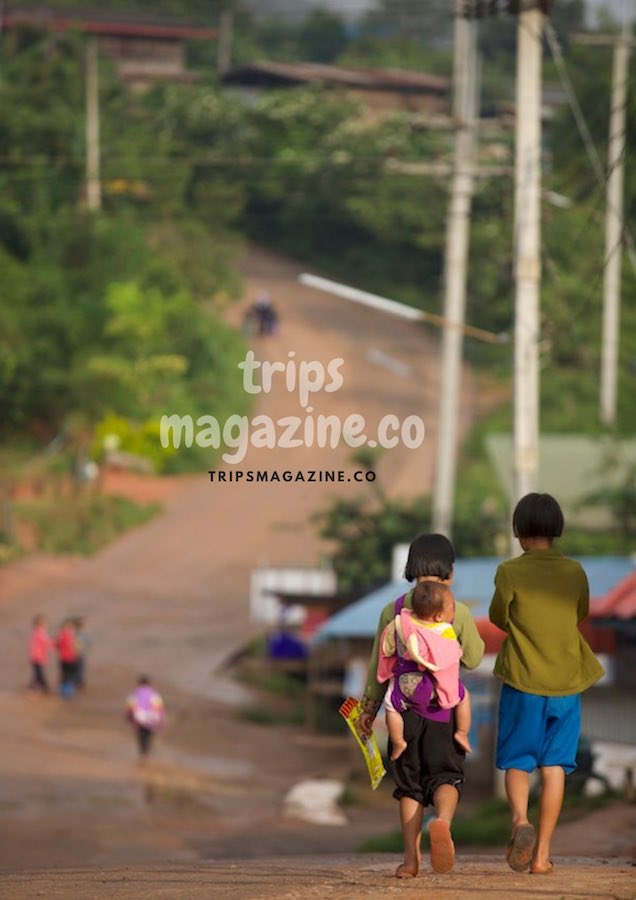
541,867
461,738
520,850
397,748
536,869
442,846
406,871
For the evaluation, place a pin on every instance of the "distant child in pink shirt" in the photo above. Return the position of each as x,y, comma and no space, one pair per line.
40,643
146,712
426,636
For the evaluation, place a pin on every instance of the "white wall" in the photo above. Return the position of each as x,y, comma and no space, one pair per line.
266,582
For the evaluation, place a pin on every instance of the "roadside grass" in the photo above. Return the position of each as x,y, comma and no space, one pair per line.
281,695
81,524
489,825
258,714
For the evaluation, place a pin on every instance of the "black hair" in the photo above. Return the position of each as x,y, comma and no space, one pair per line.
537,515
432,555
428,599
142,680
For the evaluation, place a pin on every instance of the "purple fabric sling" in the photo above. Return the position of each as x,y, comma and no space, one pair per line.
422,701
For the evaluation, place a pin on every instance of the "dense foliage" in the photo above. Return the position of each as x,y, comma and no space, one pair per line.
108,315
113,318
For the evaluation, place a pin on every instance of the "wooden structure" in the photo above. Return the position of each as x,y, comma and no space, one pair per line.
382,91
144,48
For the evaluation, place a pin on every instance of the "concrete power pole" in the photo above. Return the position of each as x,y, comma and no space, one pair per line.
614,230
93,180
465,114
527,252
224,45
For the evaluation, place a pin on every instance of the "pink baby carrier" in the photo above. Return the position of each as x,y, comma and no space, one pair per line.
424,700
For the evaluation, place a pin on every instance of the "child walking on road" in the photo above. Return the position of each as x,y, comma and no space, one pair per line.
40,643
544,663
430,770
146,712
66,645
424,635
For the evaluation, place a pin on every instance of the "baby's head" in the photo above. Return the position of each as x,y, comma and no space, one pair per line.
433,602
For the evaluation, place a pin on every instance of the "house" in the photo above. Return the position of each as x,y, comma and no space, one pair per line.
144,48
346,639
381,91
608,713
576,468
473,585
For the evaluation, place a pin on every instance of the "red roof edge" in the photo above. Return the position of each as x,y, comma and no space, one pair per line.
125,29
601,639
618,603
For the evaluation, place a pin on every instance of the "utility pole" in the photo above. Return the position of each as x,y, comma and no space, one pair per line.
465,113
527,250
614,229
224,45
93,181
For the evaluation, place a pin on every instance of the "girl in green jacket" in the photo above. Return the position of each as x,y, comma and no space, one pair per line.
430,771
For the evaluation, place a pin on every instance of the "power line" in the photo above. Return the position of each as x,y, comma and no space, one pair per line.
600,176
595,161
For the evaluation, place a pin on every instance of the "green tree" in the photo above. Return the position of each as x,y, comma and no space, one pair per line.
322,37
363,533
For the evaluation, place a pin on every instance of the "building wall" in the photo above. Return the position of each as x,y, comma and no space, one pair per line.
388,101
608,715
149,57
625,660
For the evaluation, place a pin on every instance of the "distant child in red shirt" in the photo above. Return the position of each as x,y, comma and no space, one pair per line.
66,644
40,643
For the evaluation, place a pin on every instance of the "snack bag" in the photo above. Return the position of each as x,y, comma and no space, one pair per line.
350,711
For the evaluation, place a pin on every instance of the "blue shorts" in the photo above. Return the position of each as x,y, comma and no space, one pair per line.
536,731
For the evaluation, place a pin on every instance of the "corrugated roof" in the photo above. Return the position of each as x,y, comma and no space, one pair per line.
472,585
619,602
362,78
125,23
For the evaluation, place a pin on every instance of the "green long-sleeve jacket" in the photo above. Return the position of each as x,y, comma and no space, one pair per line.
465,629
540,598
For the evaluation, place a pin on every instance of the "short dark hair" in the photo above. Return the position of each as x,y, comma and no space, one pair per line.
428,599
537,515
432,555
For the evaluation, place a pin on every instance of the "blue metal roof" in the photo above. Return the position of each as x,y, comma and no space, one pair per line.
472,585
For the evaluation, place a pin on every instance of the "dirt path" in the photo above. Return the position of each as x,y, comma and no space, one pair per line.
342,877
171,599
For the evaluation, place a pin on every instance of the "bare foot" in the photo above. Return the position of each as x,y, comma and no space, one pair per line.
442,847
461,738
521,847
537,868
406,871
398,749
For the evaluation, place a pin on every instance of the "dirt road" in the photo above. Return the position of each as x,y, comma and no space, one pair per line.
171,599
344,878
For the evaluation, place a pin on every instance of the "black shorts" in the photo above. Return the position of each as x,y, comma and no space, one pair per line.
431,759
